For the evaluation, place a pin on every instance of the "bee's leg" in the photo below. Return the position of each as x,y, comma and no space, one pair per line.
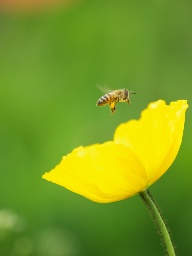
112,107
113,110
128,101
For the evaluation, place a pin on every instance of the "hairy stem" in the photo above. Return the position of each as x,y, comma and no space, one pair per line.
159,222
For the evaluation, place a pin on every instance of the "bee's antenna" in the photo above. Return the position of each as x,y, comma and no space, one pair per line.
132,92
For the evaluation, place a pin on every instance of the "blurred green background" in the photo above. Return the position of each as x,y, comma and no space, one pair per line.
50,65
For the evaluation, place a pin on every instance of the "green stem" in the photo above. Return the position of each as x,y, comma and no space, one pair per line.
160,223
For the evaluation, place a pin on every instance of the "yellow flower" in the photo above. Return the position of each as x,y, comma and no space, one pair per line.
140,153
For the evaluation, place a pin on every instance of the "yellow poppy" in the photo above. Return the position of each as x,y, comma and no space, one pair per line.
140,153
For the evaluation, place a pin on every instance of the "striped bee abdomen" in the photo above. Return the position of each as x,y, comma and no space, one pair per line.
104,100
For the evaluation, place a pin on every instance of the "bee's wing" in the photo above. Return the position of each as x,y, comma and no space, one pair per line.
104,88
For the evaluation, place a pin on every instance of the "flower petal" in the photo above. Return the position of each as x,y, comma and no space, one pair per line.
156,137
102,172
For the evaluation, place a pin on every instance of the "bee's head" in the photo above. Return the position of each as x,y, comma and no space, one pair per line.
127,92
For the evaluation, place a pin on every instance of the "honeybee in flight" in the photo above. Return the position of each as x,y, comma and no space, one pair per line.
112,98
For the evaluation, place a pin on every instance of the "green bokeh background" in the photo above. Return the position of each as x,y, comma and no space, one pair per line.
50,65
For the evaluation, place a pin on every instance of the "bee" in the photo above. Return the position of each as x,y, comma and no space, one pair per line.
112,98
